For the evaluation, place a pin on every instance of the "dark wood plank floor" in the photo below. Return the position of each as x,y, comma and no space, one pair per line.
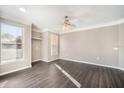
46,75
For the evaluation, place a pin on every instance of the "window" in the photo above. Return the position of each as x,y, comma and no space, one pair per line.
54,44
11,43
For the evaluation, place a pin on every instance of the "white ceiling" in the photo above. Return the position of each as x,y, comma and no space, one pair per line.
52,17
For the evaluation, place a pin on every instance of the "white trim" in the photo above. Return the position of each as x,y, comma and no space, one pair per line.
0,42
53,59
49,60
19,25
35,38
91,63
37,60
53,32
68,76
45,60
1,74
121,68
95,26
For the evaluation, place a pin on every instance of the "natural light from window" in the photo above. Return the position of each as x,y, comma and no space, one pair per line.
11,43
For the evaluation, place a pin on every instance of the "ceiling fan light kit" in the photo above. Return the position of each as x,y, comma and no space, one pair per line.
67,25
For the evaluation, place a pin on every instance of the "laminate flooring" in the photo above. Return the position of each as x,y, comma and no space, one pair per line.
47,75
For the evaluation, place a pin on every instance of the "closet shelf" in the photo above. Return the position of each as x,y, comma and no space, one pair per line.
36,38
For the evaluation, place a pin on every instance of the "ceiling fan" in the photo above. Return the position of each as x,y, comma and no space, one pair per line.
68,23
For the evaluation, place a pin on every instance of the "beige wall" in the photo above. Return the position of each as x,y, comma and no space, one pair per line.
121,45
10,67
94,46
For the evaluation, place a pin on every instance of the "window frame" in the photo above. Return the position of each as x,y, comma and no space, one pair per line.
12,23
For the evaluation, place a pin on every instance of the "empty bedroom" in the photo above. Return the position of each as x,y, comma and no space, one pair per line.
61,46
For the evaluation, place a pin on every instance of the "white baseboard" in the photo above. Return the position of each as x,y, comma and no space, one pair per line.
121,68
37,60
49,60
44,60
115,67
15,70
53,59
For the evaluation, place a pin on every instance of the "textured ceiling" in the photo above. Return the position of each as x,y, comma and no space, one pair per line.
51,17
